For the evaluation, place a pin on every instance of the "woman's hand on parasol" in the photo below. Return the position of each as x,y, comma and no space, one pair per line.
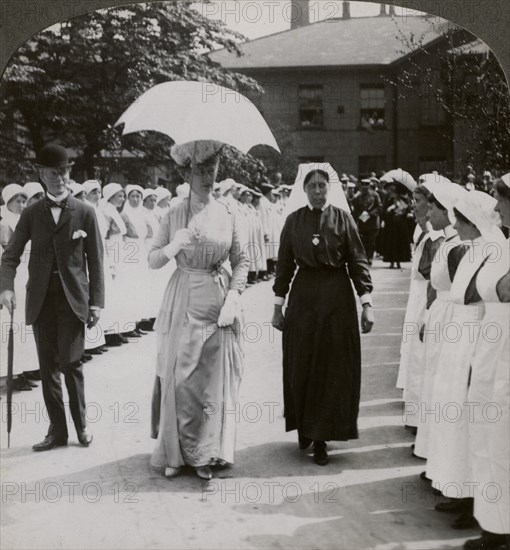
182,238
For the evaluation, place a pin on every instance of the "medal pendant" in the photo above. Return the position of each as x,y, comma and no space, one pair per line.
315,240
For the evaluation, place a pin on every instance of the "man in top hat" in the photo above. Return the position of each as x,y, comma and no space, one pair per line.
65,289
367,208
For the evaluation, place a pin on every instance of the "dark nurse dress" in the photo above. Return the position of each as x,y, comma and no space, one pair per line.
321,341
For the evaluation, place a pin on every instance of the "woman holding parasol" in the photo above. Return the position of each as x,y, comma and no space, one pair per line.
199,356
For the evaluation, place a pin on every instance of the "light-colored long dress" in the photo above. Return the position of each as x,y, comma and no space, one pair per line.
412,348
415,305
489,432
25,351
448,465
436,318
199,365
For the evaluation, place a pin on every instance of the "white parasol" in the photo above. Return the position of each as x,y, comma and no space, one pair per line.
192,111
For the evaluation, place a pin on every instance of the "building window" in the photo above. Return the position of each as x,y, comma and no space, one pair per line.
310,106
372,106
368,164
431,111
428,165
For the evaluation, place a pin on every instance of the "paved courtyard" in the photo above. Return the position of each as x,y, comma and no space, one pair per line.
107,496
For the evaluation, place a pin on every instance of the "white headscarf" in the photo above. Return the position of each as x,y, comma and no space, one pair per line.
32,188
182,191
90,185
478,208
8,193
136,215
298,197
109,209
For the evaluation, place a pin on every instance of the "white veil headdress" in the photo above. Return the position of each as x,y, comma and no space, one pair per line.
298,197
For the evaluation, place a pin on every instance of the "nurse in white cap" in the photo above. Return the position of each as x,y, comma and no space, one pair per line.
15,198
489,388
448,465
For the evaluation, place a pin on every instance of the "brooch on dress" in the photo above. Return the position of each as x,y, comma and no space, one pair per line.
316,239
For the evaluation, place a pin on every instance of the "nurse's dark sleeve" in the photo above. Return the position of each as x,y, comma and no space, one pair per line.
454,257
356,258
286,264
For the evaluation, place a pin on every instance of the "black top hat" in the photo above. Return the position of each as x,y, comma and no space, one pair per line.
53,156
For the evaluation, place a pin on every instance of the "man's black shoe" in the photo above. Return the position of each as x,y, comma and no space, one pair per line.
50,442
85,437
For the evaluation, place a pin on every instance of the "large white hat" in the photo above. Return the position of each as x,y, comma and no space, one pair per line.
90,185
506,179
227,185
478,208
130,188
111,189
183,190
149,192
11,190
32,188
162,193
76,188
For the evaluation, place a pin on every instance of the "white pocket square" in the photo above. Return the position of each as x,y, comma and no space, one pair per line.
79,234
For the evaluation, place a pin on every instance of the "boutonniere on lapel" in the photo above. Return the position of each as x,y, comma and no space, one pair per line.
79,234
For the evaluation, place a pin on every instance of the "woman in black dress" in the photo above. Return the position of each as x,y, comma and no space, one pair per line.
321,342
399,224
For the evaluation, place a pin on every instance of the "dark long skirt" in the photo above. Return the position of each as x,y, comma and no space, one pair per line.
396,239
322,356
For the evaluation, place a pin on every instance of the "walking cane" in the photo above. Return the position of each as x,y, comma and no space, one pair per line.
10,357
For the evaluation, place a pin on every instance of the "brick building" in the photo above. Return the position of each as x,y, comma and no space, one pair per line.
331,84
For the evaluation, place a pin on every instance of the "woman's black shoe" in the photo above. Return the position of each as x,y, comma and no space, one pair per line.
304,442
320,455
488,541
465,521
455,506
95,351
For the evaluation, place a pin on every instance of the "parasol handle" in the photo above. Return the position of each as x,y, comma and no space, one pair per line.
193,165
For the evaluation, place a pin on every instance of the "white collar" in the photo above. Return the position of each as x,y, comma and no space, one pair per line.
449,231
326,204
60,198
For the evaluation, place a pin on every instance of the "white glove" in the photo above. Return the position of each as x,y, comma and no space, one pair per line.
182,238
229,309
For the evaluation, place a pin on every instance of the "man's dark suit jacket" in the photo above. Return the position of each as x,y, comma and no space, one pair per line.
372,204
53,245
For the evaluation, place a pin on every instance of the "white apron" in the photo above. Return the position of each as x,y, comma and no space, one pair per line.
489,432
439,314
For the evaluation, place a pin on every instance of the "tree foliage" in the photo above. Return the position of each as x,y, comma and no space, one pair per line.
469,84
71,82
